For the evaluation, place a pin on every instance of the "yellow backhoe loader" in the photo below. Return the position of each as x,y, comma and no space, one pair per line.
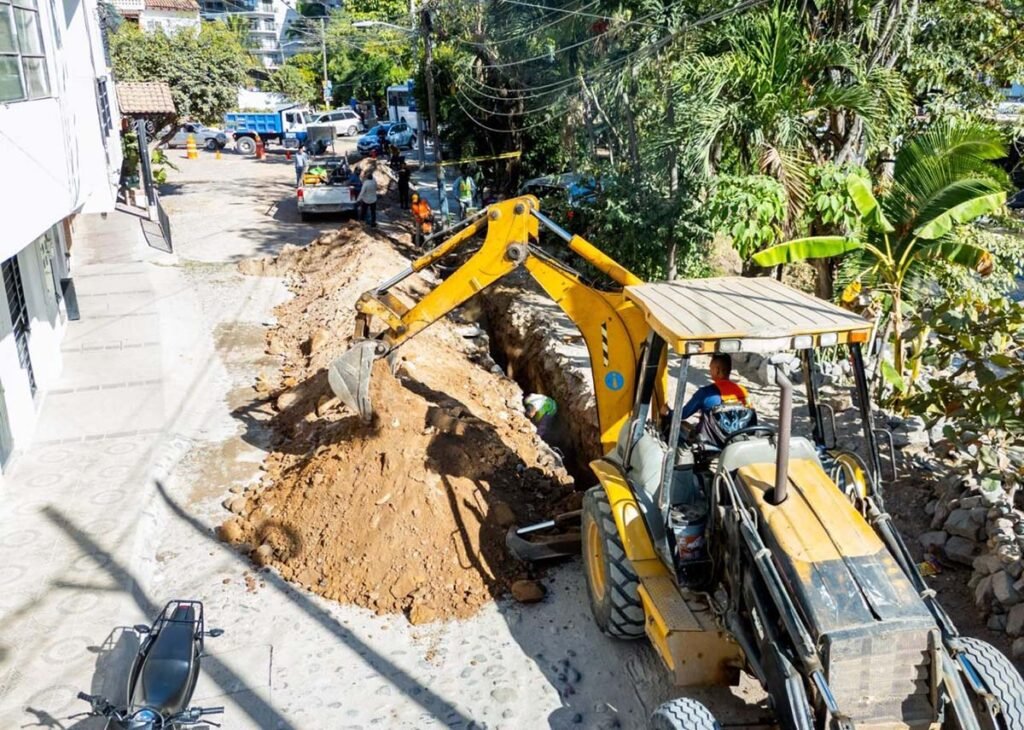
767,552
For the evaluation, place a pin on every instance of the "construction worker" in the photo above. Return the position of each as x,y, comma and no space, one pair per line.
422,220
301,159
403,185
465,190
724,406
367,199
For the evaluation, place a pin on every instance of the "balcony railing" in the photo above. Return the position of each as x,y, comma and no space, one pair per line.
130,6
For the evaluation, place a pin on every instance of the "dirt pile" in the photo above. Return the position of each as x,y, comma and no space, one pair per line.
407,514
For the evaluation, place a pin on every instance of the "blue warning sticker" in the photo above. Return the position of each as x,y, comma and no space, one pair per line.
614,380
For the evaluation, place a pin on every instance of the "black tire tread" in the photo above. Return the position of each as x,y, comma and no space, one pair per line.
683,713
1003,679
626,617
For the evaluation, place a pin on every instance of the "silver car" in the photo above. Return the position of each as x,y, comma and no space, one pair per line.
402,136
209,137
346,122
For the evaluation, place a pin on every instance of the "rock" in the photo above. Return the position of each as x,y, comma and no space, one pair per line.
317,342
285,400
929,509
987,564
961,523
231,531
421,613
275,346
932,540
1017,650
234,504
527,591
960,550
997,622
263,554
503,514
983,594
325,403
1015,569
1003,590
1015,621
935,433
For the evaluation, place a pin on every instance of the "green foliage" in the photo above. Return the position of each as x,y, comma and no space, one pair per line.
203,68
831,206
981,345
363,62
750,209
960,46
295,81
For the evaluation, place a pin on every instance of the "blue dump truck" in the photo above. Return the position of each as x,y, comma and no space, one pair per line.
286,126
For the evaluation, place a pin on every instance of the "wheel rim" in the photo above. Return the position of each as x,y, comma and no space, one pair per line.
595,564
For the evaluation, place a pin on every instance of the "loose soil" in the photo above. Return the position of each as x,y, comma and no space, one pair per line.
408,513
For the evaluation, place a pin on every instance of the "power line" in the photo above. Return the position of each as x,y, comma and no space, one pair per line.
587,15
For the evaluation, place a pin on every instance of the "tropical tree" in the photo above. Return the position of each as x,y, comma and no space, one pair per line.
770,90
203,68
944,177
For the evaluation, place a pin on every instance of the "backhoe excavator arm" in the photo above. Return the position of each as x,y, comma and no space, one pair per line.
612,327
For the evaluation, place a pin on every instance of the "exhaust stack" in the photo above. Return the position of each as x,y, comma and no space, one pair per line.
782,438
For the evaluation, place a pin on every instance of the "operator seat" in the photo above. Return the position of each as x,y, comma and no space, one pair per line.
169,671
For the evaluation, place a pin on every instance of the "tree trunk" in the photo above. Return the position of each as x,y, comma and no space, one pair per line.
824,287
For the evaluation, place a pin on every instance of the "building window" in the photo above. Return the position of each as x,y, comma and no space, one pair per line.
103,99
22,59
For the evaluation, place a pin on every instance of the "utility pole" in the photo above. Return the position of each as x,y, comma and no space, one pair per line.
323,49
428,59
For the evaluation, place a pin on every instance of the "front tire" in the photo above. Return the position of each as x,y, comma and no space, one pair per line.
412,141
612,584
1001,677
352,131
683,713
246,145
211,145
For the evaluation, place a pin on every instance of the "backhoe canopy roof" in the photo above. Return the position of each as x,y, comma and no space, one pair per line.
740,314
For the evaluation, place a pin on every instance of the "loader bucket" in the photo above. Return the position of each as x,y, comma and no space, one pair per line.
349,376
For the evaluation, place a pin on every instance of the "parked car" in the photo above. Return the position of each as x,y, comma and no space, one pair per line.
209,137
325,187
371,140
568,186
402,135
346,122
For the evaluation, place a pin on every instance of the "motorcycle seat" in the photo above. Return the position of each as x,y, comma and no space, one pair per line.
168,673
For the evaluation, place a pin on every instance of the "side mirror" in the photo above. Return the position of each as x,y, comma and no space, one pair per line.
141,628
214,633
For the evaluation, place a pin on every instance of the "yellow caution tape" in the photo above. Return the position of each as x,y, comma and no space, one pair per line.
502,156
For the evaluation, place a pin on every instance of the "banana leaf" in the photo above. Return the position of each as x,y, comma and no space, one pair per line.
801,249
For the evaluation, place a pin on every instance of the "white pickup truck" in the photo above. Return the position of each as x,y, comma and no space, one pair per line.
325,187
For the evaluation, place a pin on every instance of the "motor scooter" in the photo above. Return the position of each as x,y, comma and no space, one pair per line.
163,675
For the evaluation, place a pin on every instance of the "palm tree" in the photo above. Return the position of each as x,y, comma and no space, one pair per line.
944,177
770,91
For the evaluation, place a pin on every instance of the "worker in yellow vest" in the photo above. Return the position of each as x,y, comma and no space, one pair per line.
465,190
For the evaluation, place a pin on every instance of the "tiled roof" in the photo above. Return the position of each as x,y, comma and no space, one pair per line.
184,6
144,97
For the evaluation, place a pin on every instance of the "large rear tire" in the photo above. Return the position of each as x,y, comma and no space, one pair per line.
683,713
1002,679
611,581
246,145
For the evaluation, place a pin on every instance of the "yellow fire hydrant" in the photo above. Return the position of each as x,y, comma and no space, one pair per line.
190,147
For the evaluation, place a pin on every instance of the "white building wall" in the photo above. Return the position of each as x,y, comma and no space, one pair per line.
169,21
57,159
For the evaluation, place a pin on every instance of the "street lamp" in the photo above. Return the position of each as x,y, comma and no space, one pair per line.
428,58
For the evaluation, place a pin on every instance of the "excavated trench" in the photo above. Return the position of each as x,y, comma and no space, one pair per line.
536,345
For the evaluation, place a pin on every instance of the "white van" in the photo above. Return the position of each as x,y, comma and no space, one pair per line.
346,122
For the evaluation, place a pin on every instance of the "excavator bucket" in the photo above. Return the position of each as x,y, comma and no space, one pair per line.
349,376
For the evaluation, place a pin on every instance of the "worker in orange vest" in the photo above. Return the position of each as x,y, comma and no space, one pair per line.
422,220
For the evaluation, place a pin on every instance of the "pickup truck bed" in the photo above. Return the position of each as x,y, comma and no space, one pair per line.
333,196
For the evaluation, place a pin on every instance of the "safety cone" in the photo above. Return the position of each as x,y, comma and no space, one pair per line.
190,147
261,148
288,155
216,155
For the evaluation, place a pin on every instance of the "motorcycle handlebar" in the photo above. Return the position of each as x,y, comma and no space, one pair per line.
84,696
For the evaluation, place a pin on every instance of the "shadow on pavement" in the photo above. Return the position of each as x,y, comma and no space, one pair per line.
439,707
252,704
